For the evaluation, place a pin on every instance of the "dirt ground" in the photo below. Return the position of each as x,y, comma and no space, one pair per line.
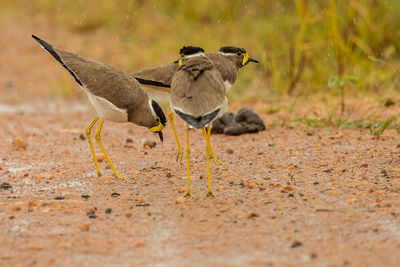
288,196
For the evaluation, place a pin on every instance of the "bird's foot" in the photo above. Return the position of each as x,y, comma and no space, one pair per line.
210,193
218,162
188,193
117,175
99,173
179,157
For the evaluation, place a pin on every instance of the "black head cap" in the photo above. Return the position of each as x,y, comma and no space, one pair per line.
190,50
159,112
232,50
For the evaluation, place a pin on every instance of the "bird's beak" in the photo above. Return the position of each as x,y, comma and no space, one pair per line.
176,61
253,60
158,129
160,134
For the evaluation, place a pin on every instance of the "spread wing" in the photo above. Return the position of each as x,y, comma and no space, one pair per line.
158,78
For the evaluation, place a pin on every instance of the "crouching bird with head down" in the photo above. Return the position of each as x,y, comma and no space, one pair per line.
197,97
114,94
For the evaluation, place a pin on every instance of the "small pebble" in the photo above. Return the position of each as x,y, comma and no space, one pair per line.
92,216
140,243
91,211
108,211
84,227
59,198
85,196
82,137
149,144
142,205
16,207
288,188
296,244
169,175
180,200
19,143
140,199
5,186
182,189
100,158
229,151
253,215
115,194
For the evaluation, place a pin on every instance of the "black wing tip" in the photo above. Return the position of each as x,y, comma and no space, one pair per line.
151,82
49,48
45,45
200,122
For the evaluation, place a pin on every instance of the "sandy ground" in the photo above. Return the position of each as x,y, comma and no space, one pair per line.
288,196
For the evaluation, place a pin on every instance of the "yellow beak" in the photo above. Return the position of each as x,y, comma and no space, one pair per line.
157,128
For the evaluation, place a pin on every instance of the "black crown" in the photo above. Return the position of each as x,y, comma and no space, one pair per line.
190,50
232,50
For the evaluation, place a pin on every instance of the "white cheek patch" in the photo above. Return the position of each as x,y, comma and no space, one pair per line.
105,109
151,108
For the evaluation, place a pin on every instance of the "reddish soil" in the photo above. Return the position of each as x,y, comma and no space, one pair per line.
288,196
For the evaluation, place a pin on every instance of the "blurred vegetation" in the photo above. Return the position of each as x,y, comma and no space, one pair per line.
346,47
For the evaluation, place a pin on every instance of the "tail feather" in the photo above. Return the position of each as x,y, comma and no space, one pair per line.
49,48
200,122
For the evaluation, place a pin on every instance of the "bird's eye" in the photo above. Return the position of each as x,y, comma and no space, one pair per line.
239,53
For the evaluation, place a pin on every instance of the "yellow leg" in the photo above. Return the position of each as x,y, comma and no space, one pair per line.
217,161
208,148
179,157
97,136
188,191
88,131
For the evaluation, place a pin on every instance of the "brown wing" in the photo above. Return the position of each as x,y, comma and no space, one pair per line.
103,80
197,87
226,65
158,78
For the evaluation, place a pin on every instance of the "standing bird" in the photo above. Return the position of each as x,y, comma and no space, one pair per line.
228,61
114,94
197,97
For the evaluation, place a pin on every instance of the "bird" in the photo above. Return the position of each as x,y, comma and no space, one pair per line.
114,94
228,61
197,97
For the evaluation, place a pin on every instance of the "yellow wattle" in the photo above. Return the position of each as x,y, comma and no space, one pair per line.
245,58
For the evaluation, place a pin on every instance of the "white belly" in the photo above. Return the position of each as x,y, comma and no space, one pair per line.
224,109
105,109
